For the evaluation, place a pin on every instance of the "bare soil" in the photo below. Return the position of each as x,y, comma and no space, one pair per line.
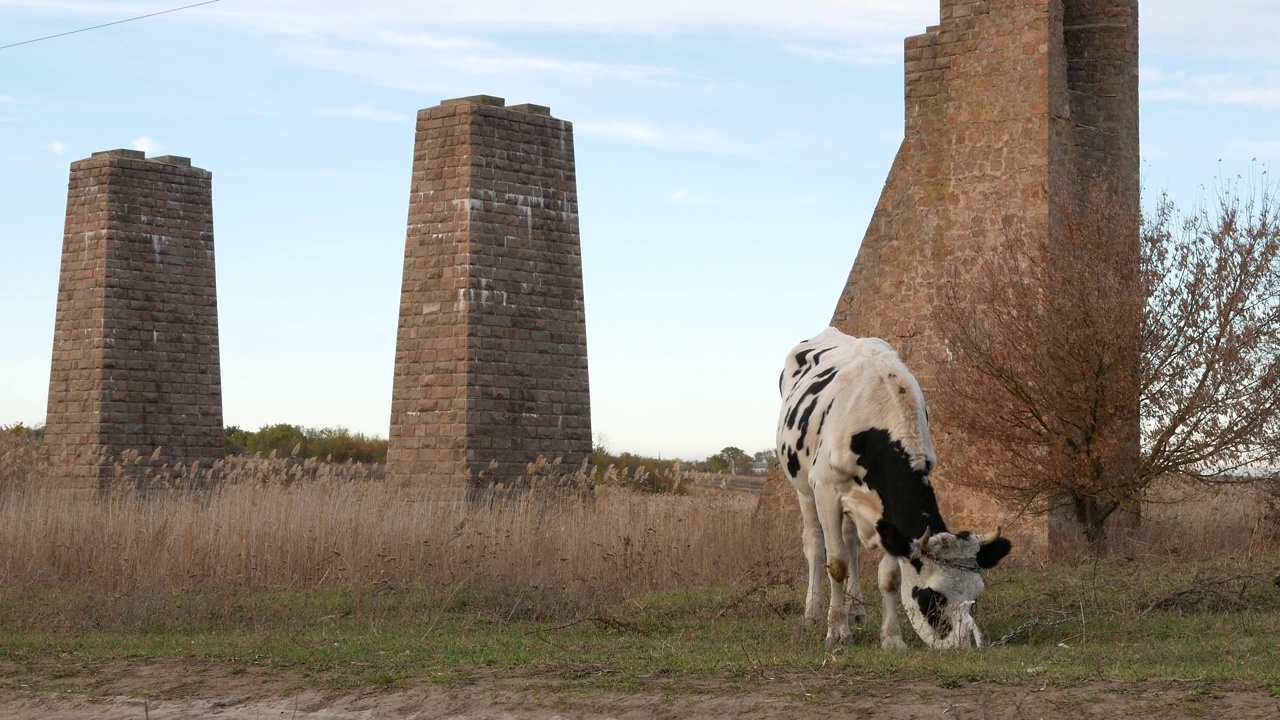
166,689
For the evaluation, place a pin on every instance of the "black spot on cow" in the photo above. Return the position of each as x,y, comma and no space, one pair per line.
793,463
800,361
933,605
892,539
909,502
803,425
992,553
817,385
917,564
823,421
964,535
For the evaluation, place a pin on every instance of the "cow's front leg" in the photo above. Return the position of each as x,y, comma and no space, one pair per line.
889,578
815,556
831,515
853,586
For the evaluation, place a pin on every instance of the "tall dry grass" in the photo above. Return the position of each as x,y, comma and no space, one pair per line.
1186,518
273,523
250,526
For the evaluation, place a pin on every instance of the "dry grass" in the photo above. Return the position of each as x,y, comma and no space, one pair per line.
280,524
1188,519
255,525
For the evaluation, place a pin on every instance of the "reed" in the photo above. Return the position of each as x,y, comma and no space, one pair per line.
249,526
273,523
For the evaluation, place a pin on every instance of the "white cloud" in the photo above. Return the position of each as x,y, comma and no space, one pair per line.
365,112
830,18
704,141
630,132
684,197
859,54
146,145
57,147
402,61
1250,89
1242,30
391,42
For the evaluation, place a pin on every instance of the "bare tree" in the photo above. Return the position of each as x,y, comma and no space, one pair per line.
1093,359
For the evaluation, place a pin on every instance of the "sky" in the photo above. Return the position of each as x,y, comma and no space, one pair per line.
729,156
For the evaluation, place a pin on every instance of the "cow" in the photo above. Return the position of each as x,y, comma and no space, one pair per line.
853,439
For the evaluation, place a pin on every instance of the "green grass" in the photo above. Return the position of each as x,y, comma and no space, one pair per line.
366,638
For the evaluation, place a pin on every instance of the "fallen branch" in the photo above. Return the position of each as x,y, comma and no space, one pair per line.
1209,594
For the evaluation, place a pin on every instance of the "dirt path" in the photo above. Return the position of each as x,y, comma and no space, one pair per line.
166,690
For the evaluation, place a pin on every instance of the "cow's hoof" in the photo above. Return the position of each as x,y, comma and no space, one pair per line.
860,617
893,643
834,639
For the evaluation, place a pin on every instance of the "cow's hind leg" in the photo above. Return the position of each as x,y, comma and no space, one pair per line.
831,515
889,578
853,585
815,556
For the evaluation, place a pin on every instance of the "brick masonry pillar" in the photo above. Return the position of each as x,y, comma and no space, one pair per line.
491,351
135,351
1009,103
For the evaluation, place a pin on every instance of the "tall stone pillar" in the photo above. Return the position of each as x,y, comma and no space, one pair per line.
1009,104
135,350
491,352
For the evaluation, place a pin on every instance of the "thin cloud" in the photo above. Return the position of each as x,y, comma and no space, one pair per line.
861,54
829,18
365,112
684,197
704,141
421,64
57,147
146,145
1248,89
1234,30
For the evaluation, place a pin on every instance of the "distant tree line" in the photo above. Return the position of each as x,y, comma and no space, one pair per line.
24,431
334,444
662,475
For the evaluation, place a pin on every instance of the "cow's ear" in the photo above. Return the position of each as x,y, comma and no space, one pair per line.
892,539
990,554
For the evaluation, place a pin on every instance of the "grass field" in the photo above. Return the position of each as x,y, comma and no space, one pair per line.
356,584
1202,622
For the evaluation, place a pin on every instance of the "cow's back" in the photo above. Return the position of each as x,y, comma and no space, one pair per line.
835,386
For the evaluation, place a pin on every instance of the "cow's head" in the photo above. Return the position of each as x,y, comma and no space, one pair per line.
941,580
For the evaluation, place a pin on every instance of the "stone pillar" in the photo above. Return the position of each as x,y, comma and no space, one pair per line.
1009,103
135,350
491,352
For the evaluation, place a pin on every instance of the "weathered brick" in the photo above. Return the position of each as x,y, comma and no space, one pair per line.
493,213
1005,118
135,354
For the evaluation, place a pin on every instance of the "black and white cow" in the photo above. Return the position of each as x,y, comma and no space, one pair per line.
853,437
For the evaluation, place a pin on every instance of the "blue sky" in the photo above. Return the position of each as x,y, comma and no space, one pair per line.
729,156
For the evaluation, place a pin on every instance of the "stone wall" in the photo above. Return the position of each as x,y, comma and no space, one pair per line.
1008,103
491,355
135,351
